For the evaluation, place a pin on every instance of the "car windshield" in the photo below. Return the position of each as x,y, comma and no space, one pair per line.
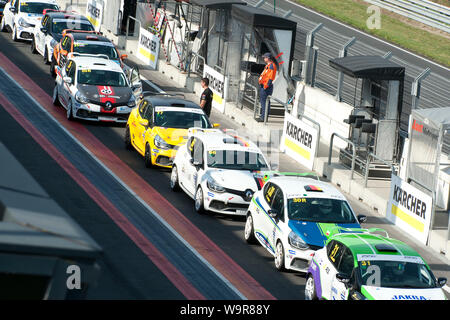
90,48
59,26
102,78
236,160
396,274
36,7
323,210
181,119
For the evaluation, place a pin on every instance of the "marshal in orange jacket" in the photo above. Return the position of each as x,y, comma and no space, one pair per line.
268,75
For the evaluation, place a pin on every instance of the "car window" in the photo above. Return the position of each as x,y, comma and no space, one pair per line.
278,203
44,20
102,78
236,160
335,253
93,48
181,119
322,210
70,69
143,108
149,113
269,193
347,262
36,7
198,151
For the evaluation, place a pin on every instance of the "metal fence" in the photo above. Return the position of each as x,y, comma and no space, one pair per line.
434,90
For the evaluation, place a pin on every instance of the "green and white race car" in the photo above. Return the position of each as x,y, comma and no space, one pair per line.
361,264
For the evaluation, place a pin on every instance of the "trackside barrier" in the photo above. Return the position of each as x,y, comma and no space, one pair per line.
270,98
366,173
315,123
330,151
128,27
190,62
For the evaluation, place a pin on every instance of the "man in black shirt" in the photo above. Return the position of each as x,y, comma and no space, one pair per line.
207,97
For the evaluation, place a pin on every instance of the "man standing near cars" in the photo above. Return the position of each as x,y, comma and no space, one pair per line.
266,83
206,97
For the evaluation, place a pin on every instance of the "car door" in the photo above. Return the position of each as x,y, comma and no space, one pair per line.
68,88
275,227
135,81
39,37
262,220
138,129
66,45
7,14
339,290
328,272
194,167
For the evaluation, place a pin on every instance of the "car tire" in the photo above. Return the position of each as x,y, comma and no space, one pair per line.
279,256
14,34
199,205
70,111
2,25
249,231
310,288
148,157
127,139
46,56
52,68
33,46
174,183
55,96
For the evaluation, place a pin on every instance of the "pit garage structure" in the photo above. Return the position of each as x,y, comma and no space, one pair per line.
374,145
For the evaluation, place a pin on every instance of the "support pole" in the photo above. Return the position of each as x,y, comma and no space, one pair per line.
342,54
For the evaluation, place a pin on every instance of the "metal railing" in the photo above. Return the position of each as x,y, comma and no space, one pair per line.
434,15
388,163
128,27
189,64
330,151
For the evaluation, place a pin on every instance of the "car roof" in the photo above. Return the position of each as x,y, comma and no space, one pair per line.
95,63
41,1
164,101
305,187
220,140
66,15
83,36
370,243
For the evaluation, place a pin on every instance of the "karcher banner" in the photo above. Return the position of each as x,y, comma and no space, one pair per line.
218,84
410,209
148,48
94,13
299,141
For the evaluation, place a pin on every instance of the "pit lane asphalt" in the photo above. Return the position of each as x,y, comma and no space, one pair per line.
127,273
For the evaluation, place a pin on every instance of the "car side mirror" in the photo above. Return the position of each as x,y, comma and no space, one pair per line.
67,80
144,122
344,278
273,214
195,163
216,125
12,9
123,56
362,218
44,30
442,282
64,52
136,86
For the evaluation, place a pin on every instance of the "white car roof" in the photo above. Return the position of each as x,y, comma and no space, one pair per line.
294,187
95,63
39,1
214,139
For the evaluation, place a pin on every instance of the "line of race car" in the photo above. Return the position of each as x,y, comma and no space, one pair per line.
307,225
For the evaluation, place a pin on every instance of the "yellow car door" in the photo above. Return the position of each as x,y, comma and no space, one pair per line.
139,125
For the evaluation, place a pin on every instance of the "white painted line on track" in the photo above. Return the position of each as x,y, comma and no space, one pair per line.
150,209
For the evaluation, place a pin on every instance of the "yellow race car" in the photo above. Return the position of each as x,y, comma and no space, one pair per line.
159,125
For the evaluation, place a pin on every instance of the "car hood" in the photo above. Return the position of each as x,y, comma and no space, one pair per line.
314,233
377,293
31,18
240,180
102,94
172,136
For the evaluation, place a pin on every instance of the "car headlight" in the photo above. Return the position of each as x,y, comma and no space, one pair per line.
132,102
297,242
81,98
160,143
214,186
23,23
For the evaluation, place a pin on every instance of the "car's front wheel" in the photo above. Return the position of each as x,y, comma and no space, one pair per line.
148,157
46,61
174,184
310,288
33,46
249,232
55,96
2,25
14,34
279,256
69,111
127,138
199,201
52,67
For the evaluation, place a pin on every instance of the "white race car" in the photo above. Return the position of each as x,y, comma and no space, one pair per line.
291,217
95,88
49,31
220,171
21,17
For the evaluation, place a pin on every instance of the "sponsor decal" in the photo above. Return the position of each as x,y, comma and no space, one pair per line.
264,241
94,13
299,141
408,297
292,252
211,194
410,209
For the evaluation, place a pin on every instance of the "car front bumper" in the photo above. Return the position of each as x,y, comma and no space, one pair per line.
225,203
296,259
25,33
93,112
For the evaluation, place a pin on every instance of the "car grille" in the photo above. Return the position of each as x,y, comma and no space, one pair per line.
300,264
164,161
220,205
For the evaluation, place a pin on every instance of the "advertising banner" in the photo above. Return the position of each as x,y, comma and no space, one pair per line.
299,141
410,209
94,13
218,84
148,48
